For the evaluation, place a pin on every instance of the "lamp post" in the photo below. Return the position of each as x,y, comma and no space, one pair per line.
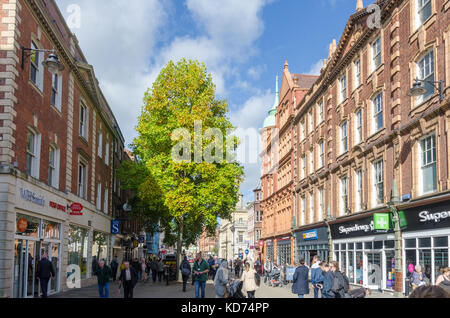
328,219
52,62
419,90
398,238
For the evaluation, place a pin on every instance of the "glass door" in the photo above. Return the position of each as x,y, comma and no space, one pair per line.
374,271
359,268
31,268
54,257
19,268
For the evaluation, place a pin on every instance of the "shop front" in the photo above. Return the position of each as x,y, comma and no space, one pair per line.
426,236
269,250
311,243
283,251
365,254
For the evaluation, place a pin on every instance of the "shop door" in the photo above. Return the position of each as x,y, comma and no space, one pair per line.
24,268
373,270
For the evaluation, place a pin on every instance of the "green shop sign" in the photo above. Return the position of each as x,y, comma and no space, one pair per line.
381,221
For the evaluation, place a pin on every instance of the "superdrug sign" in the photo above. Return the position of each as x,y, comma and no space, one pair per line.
356,228
428,217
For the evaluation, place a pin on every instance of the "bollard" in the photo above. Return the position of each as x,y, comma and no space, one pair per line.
407,286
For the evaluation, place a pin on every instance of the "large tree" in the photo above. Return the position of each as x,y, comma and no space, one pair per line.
183,145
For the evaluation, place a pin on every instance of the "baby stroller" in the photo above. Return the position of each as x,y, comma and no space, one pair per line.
235,289
275,278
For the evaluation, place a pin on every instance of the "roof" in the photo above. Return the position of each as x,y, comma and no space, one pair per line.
305,81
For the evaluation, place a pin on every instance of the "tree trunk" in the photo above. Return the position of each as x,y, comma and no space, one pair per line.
179,248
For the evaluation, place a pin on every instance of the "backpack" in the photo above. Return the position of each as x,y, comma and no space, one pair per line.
257,279
346,283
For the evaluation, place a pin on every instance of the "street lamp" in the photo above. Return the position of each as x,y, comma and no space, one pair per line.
52,62
328,219
232,243
419,90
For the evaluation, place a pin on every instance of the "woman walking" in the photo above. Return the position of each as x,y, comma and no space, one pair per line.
248,278
186,270
144,270
443,280
301,282
221,280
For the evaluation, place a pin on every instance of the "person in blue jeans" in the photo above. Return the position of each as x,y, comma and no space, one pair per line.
104,274
200,275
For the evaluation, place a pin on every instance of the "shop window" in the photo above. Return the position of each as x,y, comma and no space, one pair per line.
78,248
410,243
51,230
440,261
359,246
441,241
425,262
411,261
359,267
27,225
99,248
378,245
351,246
390,269
336,247
343,247
368,245
425,242
351,267
389,244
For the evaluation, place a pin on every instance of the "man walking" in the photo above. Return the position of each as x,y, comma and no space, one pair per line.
316,276
201,269
103,274
44,272
114,267
128,278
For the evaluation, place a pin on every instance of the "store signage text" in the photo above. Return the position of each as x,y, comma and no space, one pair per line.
426,216
32,197
76,208
357,228
310,235
57,206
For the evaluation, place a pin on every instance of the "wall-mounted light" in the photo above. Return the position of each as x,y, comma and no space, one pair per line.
52,62
419,90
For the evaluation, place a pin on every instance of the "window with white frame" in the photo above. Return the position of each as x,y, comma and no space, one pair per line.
320,112
311,208
358,130
303,170
378,113
344,196
82,179
423,11
428,165
343,88
53,167
33,153
321,204
100,145
105,202
83,121
321,154
425,72
359,189
98,200
344,138
36,67
378,184
357,73
56,90
107,154
311,161
311,121
376,54
302,130
303,210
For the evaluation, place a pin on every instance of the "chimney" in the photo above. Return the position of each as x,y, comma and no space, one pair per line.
359,5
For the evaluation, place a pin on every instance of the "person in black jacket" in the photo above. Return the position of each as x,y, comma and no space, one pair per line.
328,278
186,271
339,283
128,278
114,267
44,272
301,281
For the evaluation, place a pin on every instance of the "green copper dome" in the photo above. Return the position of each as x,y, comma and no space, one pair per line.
270,120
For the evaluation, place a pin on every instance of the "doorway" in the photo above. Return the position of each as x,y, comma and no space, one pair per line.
373,270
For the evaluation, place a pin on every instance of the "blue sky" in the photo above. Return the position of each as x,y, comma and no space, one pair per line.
244,44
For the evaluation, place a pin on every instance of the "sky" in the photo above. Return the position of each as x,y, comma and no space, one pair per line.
243,43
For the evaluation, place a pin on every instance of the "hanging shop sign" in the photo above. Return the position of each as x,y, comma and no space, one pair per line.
115,226
428,217
261,243
381,221
76,208
357,228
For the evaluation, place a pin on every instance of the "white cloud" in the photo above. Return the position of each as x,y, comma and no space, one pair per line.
315,68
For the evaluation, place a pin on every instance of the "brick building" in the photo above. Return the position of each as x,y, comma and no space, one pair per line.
255,224
208,245
59,142
277,180
365,146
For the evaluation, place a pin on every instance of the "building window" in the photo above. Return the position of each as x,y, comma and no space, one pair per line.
378,193
105,202
425,70
36,68
83,121
359,189
378,113
343,88
358,137
424,11
303,211
302,130
311,161
321,154
344,196
82,180
303,170
320,108
428,171
311,121
311,208
357,73
107,154
100,145
376,54
33,154
321,203
56,91
344,138
53,167
98,200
